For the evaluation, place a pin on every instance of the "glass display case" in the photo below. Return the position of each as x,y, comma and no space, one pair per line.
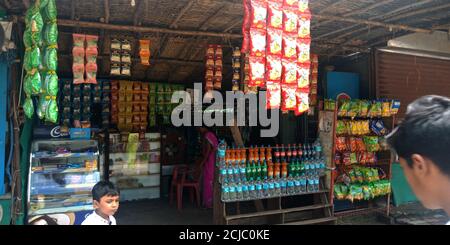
62,175
135,166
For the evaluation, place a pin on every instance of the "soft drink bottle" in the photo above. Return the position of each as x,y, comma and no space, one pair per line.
232,192
277,191
230,176
297,186
290,186
252,190
271,188
303,184
283,187
310,187
245,193
259,190
239,194
242,171
223,175
264,170
225,192
316,184
265,188
236,173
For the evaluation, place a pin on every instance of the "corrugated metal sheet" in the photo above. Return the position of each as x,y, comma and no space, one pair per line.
408,77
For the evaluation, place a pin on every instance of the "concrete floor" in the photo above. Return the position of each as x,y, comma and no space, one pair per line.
159,212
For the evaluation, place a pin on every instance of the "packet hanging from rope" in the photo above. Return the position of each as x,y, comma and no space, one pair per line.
51,114
42,106
50,34
32,59
28,107
33,20
33,83
51,84
50,61
50,13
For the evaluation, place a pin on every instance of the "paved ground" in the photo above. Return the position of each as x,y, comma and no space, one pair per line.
158,212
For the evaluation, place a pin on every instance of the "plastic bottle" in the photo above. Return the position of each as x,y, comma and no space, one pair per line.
230,176
232,193
245,193
297,186
221,149
252,190
284,169
316,184
258,171
225,193
283,187
242,171
303,183
259,190
265,189
239,194
277,186
271,188
290,186
264,171
310,187
223,175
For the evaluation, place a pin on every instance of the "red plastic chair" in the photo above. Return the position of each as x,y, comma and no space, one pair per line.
180,181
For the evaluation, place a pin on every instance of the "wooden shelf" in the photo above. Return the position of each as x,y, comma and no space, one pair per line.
313,221
279,211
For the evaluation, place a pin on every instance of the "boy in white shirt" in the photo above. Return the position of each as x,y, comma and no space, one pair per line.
422,143
106,204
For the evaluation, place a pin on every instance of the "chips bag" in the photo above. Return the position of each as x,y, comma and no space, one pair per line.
289,71
33,20
395,106
32,59
303,71
50,11
50,34
273,95
290,20
303,49
289,101
51,115
258,13
289,46
274,42
344,108
302,101
32,84
290,3
257,42
50,61
304,25
257,71
275,15
28,108
274,68
385,108
303,5
50,85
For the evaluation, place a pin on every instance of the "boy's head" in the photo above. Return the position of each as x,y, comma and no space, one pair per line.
422,143
106,198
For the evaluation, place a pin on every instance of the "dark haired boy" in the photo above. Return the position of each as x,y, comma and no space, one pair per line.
106,204
422,144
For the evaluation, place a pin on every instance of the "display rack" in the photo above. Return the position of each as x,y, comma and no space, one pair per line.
384,160
62,174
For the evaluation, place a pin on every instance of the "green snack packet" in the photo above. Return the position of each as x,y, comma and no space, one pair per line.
27,38
51,115
51,84
43,4
51,59
33,83
42,106
366,192
28,108
33,19
50,13
32,59
50,34
343,110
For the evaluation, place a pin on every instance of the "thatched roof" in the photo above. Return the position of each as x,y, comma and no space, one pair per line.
179,57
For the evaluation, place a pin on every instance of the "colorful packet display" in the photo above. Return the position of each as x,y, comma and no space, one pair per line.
273,95
258,13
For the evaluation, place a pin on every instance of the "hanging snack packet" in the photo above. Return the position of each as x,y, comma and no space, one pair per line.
364,108
115,45
33,83
290,3
275,42
91,73
125,45
51,84
28,108
377,126
32,59
341,128
51,114
303,48
257,42
354,109
289,100
289,71
258,14
246,27
304,25
50,34
302,101
303,71
49,10
274,68
275,15
289,46
257,71
125,70
290,20
144,51
385,108
78,73
51,59
395,106
33,20
91,54
273,95
115,69
303,5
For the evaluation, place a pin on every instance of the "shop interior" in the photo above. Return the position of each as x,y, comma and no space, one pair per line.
117,64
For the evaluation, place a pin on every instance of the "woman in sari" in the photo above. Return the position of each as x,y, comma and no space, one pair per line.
209,147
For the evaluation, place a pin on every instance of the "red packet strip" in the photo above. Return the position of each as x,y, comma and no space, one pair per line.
290,20
303,70
304,25
288,92
274,41
302,96
257,71
275,15
257,42
273,96
258,13
304,49
274,68
289,46
289,71
303,5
